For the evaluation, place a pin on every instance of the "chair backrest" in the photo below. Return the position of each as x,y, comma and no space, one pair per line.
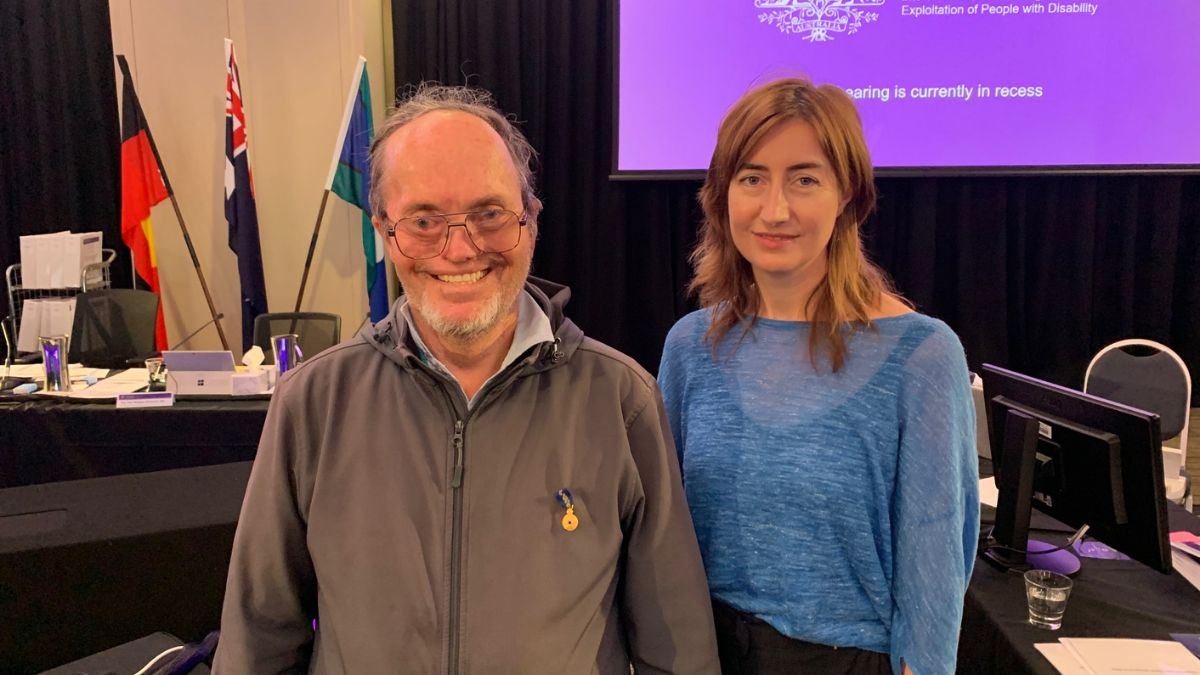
113,325
317,330
1146,375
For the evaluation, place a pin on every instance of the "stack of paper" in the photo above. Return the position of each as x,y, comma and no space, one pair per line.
38,371
44,317
1185,556
1103,656
56,260
107,388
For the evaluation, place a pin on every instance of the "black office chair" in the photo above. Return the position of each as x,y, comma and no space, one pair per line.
318,331
113,327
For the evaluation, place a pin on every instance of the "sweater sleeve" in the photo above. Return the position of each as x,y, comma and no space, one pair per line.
270,592
671,377
664,595
935,507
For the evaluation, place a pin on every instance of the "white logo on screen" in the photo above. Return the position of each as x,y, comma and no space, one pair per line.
817,20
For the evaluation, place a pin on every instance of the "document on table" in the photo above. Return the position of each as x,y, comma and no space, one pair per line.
1185,556
1105,656
124,382
37,371
1062,659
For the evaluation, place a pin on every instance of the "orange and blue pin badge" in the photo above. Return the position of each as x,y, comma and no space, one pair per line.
569,520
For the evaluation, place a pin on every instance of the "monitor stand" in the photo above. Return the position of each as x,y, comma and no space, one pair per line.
1039,556
1009,546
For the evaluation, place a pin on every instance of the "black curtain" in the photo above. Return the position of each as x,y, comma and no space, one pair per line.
1034,273
59,140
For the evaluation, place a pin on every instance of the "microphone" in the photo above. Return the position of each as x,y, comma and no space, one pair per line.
191,335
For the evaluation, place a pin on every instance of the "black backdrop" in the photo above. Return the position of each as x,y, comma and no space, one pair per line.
59,144
1035,273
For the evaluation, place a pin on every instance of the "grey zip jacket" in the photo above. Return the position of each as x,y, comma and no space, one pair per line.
427,537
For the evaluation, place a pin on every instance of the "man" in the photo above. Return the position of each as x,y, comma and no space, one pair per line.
470,485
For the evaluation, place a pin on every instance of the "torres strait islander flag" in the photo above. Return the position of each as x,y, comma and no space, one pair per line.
349,179
142,186
240,211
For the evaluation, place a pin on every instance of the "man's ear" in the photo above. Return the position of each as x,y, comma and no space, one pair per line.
533,211
379,224
535,208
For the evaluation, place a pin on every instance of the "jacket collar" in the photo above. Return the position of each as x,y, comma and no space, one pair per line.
391,336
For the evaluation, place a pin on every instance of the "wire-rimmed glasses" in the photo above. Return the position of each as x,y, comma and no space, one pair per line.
426,236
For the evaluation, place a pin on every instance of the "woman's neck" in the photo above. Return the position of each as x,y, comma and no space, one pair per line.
786,297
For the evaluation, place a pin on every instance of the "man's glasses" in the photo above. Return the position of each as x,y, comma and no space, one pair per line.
490,230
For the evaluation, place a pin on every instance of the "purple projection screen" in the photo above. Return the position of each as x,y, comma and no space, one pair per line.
942,85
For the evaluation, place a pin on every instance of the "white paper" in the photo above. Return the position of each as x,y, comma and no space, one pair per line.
52,271
58,317
89,250
1187,567
57,259
44,317
988,492
34,370
27,260
37,273
31,325
67,261
79,371
122,383
1061,658
38,371
1103,656
41,273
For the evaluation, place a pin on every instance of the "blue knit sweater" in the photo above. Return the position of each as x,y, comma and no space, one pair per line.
841,508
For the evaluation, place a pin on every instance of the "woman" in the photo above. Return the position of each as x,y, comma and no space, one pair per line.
826,430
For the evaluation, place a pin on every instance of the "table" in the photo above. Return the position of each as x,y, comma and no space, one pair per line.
116,523
50,440
1111,598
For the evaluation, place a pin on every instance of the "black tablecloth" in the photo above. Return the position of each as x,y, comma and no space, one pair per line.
47,440
116,523
1110,598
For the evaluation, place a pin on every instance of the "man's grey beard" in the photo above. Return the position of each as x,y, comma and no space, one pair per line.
495,309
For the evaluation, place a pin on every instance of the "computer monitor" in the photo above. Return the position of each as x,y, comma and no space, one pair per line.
1080,459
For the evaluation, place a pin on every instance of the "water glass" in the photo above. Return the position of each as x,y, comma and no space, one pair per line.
54,357
1046,593
287,351
157,374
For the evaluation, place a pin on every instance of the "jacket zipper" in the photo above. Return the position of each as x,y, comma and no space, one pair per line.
460,426
456,544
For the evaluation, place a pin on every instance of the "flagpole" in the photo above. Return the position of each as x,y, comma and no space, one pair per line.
187,238
312,247
312,243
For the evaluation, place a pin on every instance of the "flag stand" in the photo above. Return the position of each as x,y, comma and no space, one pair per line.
187,238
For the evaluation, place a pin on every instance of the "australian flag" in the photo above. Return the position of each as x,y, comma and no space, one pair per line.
239,202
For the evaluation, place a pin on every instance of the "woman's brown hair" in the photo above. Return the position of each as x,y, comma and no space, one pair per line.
852,286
